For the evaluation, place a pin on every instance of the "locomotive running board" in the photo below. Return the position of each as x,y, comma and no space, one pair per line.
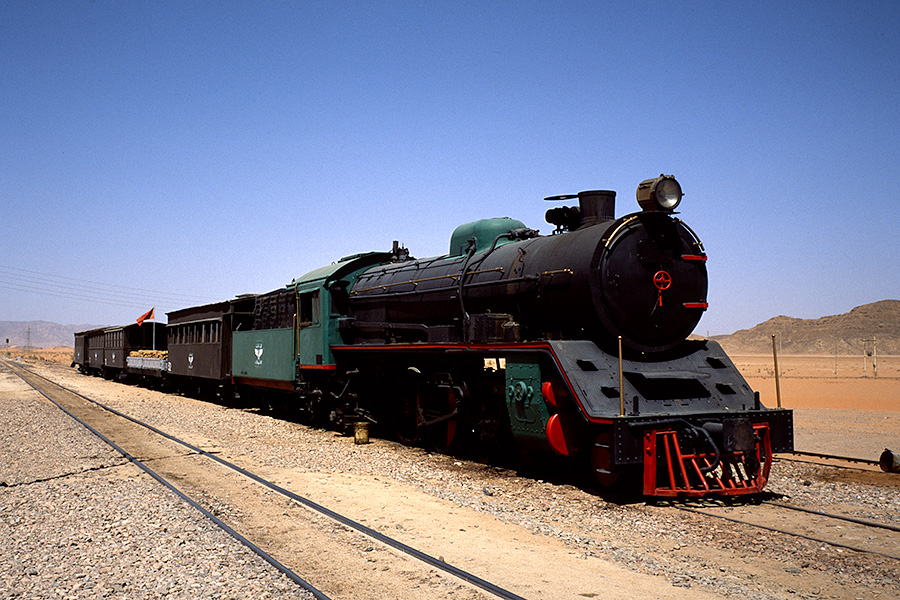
669,471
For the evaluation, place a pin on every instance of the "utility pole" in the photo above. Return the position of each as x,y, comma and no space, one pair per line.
874,358
873,354
28,340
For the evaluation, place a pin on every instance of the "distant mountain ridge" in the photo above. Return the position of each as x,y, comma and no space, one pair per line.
840,334
43,333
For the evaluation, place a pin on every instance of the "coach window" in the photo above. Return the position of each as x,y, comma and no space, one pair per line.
309,308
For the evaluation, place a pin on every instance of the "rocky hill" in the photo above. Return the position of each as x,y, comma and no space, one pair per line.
43,333
843,334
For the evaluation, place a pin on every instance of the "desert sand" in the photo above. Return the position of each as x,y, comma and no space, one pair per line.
841,406
825,382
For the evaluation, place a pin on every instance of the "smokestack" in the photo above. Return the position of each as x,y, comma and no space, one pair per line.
596,206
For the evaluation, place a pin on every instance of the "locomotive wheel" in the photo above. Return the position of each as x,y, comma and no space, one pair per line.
440,435
421,410
407,410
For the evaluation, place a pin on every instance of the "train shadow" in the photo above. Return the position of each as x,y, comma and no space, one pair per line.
717,501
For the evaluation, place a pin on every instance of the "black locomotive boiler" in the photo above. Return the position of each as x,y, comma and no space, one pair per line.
587,330
574,343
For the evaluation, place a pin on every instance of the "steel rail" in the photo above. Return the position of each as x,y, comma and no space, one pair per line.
396,544
791,533
834,457
138,463
833,516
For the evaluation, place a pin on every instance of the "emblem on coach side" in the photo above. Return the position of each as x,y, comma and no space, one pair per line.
259,352
191,360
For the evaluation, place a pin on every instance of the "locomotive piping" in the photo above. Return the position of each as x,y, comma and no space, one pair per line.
512,234
462,277
682,424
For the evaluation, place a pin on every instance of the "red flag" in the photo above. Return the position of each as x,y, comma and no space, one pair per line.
146,315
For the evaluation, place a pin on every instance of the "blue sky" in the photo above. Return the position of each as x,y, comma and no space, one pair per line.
166,154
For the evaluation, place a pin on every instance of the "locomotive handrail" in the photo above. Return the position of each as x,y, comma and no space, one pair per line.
670,374
476,284
607,242
697,241
415,282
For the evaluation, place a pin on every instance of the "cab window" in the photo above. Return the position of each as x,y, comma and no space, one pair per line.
309,308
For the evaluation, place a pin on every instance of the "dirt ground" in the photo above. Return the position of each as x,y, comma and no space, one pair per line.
827,409
61,354
845,382
832,397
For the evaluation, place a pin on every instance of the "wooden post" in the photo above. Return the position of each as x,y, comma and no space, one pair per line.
777,384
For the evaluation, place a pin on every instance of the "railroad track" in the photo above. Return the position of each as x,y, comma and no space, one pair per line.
862,535
838,530
170,467
804,456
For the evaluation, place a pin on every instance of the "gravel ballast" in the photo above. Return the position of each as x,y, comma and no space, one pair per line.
684,550
79,521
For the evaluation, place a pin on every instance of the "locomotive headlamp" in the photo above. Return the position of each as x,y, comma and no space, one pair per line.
662,193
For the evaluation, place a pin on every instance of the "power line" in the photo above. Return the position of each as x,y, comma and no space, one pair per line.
97,290
41,286
140,304
99,284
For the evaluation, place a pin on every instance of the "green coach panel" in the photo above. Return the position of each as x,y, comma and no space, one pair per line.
263,354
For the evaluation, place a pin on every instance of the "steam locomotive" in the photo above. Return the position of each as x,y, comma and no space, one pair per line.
574,343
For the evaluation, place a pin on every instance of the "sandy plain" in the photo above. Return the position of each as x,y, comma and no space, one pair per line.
841,405
851,412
